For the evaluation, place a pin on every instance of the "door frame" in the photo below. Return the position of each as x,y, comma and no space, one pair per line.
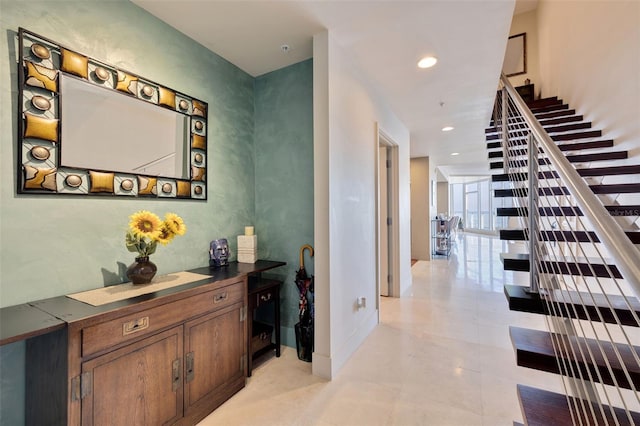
393,200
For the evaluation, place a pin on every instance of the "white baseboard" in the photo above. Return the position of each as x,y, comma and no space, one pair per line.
328,367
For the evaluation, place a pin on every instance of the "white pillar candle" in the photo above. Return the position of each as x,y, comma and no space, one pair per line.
248,230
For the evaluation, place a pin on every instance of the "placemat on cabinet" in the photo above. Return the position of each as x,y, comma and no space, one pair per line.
114,293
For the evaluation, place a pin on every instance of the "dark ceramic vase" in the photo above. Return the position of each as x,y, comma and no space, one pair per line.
141,271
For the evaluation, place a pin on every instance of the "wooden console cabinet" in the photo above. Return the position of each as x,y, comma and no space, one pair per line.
164,358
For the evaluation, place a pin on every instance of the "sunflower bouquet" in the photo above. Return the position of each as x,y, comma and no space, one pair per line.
146,230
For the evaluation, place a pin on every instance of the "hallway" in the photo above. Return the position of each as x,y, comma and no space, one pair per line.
440,356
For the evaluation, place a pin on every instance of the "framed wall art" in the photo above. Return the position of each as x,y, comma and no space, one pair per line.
89,128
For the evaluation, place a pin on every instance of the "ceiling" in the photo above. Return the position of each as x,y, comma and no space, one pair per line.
386,38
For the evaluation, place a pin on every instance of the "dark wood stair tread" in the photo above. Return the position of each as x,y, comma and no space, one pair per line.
558,137
593,307
577,146
579,357
553,100
562,236
544,408
561,266
569,136
580,158
619,188
561,120
544,122
554,114
549,108
558,128
590,172
628,210
540,116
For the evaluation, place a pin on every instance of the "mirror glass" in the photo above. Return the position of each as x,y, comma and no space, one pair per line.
106,130
515,58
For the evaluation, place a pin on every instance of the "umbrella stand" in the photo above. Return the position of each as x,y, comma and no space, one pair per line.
304,328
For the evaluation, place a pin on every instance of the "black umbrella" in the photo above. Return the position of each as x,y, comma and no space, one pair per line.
304,328
305,287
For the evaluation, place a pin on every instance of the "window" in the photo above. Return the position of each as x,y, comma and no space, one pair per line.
473,202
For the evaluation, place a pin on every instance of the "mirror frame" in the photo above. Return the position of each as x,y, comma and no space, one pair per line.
40,62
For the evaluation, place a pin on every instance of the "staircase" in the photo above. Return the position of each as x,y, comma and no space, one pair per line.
578,234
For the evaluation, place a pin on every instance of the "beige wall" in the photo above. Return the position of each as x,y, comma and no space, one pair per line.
442,198
590,58
594,63
420,209
528,23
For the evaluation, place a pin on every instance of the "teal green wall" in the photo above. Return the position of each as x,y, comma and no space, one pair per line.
284,176
260,163
50,246
53,245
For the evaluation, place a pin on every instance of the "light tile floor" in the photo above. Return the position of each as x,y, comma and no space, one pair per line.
440,356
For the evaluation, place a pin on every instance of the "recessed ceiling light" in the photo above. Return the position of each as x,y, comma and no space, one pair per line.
447,129
427,62
455,153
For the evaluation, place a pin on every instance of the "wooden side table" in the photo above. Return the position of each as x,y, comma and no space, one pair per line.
262,292
526,92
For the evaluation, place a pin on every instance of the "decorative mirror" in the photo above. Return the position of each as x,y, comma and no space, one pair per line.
515,58
86,127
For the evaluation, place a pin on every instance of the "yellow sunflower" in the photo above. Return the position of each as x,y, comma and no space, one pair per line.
145,224
166,234
175,223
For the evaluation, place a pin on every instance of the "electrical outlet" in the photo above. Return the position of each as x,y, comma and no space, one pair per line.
361,302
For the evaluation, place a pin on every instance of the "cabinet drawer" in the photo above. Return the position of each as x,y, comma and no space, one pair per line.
264,296
121,330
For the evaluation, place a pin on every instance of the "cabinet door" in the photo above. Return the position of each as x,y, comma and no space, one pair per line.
215,347
140,384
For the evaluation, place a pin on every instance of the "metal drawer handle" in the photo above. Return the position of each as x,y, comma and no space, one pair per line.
265,297
135,326
219,297
190,364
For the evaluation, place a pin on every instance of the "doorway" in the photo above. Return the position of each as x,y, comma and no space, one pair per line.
386,214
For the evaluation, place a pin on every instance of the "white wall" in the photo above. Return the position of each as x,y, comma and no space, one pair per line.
346,110
528,23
